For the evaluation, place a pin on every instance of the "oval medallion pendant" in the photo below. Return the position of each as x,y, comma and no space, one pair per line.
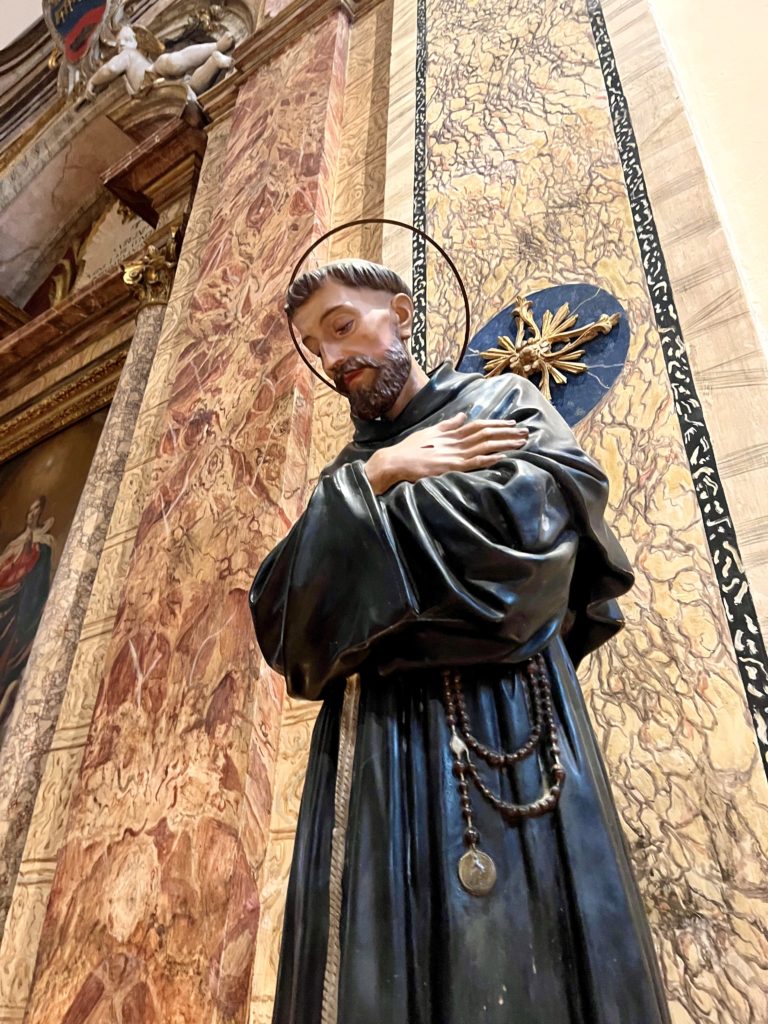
477,872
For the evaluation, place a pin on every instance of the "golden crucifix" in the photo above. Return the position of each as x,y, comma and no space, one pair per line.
534,354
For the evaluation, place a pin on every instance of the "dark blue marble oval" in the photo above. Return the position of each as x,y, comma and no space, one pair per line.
604,355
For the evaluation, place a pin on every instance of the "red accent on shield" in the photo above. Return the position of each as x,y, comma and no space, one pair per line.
74,24
79,35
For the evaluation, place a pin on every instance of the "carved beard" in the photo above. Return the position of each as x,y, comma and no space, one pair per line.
374,401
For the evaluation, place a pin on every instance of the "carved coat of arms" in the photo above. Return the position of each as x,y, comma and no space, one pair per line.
79,28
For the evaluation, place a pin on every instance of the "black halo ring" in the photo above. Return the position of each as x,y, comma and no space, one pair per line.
397,224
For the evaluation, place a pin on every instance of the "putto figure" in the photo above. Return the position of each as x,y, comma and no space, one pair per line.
458,857
142,62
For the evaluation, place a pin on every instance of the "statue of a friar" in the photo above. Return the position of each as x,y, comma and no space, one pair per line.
458,857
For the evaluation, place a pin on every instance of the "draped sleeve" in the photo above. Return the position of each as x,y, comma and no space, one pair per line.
463,568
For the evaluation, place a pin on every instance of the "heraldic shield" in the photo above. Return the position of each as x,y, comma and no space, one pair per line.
78,29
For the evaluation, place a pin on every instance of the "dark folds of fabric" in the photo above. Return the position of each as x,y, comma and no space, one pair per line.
452,570
476,571
562,938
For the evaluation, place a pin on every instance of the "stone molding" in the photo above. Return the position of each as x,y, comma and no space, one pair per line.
162,168
161,171
79,396
47,340
11,317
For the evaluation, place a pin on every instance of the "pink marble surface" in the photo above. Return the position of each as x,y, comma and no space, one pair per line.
156,898
29,732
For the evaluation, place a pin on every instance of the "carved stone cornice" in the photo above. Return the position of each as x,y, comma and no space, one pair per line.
84,316
161,169
11,317
80,395
273,35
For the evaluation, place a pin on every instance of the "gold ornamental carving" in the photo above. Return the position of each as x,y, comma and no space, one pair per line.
207,19
533,351
64,405
151,276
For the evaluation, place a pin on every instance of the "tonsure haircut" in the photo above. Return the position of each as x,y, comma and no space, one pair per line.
355,273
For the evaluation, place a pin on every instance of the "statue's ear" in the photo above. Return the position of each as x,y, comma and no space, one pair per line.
402,307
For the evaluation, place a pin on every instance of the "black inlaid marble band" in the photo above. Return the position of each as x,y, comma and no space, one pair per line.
734,589
419,251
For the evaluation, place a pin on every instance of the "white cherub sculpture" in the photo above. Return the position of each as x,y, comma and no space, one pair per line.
195,66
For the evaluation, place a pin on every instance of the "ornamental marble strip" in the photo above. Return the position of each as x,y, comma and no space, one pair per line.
736,596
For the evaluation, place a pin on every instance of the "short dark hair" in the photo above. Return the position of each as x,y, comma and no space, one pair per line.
355,273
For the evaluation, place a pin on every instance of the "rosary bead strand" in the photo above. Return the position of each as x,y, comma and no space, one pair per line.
476,869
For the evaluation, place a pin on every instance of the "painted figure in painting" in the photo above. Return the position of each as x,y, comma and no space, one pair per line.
25,579
458,857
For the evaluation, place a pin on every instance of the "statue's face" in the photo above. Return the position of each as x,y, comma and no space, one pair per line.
126,38
360,336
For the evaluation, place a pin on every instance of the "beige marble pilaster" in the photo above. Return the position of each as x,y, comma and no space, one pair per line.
36,710
156,894
47,829
30,736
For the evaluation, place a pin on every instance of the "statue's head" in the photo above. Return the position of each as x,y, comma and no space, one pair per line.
356,317
126,38
35,511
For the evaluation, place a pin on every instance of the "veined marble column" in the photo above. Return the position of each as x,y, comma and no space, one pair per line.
156,897
33,720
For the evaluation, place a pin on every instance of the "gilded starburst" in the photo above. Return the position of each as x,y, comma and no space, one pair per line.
533,350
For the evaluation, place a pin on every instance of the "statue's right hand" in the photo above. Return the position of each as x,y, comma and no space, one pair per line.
456,445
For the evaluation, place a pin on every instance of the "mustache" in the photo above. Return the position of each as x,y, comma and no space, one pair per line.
340,371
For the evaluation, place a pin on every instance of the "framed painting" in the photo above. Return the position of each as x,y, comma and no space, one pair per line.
39,492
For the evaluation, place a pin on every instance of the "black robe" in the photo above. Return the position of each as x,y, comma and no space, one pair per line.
479,571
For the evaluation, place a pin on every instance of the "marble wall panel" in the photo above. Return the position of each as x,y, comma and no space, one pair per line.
30,898
726,356
52,805
276,868
163,893
295,734
27,737
525,188
359,193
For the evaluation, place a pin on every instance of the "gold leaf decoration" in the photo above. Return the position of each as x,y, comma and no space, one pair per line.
532,350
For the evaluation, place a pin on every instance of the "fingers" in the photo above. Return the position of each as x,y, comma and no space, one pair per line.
453,423
486,441
459,444
489,428
480,457
481,462
495,446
